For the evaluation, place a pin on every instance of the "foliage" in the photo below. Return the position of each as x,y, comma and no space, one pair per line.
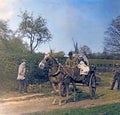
4,31
34,29
35,74
85,49
12,51
112,37
13,45
76,49
9,69
59,54
103,56
82,50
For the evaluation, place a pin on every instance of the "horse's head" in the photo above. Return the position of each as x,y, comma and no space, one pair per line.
47,61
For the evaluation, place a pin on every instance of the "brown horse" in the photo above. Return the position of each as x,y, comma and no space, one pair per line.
58,78
61,76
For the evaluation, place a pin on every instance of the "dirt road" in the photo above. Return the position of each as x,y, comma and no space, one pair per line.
29,103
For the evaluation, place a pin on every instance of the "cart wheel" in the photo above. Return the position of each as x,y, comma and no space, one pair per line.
92,85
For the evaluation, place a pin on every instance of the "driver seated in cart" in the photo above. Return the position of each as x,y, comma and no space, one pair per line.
72,60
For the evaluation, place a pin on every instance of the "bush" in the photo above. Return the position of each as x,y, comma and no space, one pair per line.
9,70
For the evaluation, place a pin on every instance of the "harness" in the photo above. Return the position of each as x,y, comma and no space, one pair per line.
60,72
56,73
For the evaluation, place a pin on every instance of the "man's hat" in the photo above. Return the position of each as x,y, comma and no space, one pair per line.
70,53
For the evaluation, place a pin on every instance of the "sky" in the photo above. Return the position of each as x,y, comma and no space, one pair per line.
85,21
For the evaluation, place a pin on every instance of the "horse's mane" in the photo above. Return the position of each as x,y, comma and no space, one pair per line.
55,60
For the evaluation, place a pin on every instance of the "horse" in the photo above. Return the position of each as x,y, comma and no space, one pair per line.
61,76
58,78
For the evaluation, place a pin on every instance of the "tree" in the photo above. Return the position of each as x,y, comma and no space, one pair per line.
112,37
16,45
34,29
5,32
82,50
76,49
85,49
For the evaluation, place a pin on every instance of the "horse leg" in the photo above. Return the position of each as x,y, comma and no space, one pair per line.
67,91
54,101
54,93
54,88
74,85
74,89
60,97
74,94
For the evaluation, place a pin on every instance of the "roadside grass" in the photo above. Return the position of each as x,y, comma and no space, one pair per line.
108,109
103,89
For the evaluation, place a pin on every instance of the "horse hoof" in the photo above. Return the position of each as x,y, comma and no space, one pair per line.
52,92
54,101
57,91
60,103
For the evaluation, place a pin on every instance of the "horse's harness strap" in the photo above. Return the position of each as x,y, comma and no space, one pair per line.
56,73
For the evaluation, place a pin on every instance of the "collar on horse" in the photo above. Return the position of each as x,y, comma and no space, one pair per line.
58,71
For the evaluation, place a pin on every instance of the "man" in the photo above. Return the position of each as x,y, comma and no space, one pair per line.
21,77
116,77
71,61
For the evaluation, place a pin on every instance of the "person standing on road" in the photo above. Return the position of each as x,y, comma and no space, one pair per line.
116,77
21,77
